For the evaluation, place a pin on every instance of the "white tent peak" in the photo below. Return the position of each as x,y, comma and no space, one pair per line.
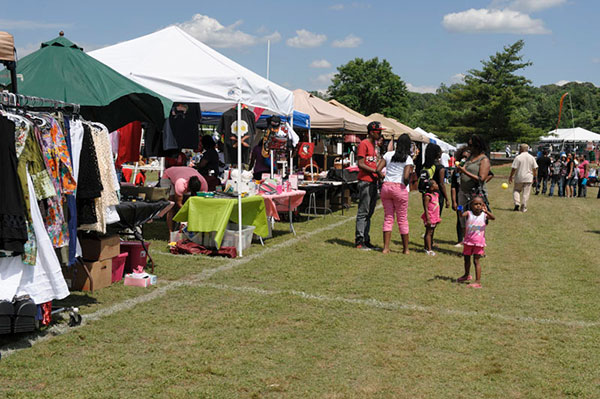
176,65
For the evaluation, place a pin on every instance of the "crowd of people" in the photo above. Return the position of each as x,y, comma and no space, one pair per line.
394,171
569,173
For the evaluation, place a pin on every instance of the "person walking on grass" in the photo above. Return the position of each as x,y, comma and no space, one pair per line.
584,170
431,214
474,241
524,170
394,192
367,186
542,175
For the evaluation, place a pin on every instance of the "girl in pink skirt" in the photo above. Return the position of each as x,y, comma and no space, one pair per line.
431,214
474,242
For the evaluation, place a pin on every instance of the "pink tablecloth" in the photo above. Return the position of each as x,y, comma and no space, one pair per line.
282,202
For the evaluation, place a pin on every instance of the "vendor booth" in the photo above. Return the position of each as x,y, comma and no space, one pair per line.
446,147
183,69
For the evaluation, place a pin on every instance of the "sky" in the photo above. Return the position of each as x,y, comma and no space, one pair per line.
427,42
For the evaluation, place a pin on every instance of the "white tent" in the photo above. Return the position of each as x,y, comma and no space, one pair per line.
181,68
446,147
577,134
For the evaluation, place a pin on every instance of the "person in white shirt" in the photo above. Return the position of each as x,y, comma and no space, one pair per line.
524,170
394,192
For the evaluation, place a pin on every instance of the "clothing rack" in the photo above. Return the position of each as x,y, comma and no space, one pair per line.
12,100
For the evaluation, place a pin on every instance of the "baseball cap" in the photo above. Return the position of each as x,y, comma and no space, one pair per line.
375,126
274,121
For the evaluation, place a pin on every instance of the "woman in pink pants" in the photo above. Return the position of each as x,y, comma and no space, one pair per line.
394,193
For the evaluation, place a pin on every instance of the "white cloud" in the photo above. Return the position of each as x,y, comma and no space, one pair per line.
306,39
324,79
6,24
421,89
210,31
493,21
349,41
526,6
320,64
564,82
457,78
337,7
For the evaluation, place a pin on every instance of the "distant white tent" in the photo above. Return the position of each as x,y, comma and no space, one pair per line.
575,135
446,147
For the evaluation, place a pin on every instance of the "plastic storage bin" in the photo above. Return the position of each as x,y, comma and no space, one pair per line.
136,254
118,267
230,239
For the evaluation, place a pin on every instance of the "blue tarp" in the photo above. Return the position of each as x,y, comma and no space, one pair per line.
301,121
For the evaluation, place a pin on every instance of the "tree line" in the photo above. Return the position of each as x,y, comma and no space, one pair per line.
494,101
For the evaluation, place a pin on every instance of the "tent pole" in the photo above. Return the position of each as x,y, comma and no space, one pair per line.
311,158
271,157
291,152
239,180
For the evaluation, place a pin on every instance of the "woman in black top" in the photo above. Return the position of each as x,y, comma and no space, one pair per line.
433,153
208,166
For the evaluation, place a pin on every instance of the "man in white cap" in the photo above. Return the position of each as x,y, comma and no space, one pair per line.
524,170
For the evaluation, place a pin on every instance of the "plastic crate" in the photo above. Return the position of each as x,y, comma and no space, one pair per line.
137,254
118,267
231,237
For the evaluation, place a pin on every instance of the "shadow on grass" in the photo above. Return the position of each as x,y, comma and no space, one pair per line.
339,241
593,231
443,278
435,249
77,299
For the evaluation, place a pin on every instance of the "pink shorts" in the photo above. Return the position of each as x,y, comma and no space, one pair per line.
469,250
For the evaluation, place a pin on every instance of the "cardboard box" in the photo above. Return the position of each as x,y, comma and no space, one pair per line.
151,194
99,247
77,279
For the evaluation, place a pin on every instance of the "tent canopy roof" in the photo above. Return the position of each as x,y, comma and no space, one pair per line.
393,128
179,67
577,134
60,70
434,139
326,116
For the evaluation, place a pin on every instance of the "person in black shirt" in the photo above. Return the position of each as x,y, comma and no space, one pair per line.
542,175
208,166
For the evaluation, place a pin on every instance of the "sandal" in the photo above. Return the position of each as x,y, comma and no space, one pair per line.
474,285
463,278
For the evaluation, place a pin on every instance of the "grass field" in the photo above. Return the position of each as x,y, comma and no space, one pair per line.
312,317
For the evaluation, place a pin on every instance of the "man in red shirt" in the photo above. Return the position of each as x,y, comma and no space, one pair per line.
367,186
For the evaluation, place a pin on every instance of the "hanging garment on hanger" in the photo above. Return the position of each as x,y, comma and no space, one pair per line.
184,121
13,227
130,137
228,127
107,176
58,163
71,201
43,282
90,185
76,133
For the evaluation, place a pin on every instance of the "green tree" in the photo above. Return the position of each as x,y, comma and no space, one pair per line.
370,86
493,101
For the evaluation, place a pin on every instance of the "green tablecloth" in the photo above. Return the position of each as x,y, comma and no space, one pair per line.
212,214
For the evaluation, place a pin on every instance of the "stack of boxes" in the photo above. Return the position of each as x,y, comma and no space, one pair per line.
97,252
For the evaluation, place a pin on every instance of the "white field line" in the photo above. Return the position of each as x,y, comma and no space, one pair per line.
196,279
391,305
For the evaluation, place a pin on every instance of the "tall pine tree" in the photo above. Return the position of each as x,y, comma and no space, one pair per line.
492,101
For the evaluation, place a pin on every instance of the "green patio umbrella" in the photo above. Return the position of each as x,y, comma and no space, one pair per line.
60,70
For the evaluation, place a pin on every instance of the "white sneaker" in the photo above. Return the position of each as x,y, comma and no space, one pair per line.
459,245
430,253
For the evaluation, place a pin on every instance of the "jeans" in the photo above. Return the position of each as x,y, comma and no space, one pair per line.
582,188
556,180
367,200
544,182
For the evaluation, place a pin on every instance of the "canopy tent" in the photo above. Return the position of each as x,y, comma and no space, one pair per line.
62,71
577,134
326,116
350,111
179,67
446,147
394,129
